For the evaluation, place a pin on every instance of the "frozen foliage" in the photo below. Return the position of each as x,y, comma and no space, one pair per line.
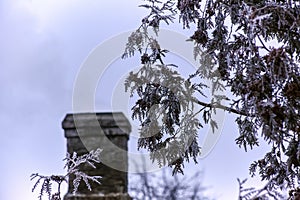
72,164
164,99
250,47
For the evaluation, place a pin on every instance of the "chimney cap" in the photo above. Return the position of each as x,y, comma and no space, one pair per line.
90,120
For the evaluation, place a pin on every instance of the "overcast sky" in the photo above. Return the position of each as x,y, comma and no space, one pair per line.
43,45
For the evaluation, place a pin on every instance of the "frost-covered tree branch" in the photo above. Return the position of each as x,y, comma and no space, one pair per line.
250,48
73,162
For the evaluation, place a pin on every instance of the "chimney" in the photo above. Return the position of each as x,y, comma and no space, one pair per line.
109,132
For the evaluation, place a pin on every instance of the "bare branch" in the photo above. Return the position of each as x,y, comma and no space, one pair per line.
231,110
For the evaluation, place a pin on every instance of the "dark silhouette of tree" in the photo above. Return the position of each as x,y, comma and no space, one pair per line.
248,47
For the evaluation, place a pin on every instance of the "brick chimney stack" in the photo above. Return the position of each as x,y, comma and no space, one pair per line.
110,132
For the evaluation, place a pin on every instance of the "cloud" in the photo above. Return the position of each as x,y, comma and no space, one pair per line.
44,44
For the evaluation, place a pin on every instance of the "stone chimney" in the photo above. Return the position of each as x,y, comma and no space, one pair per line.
110,132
